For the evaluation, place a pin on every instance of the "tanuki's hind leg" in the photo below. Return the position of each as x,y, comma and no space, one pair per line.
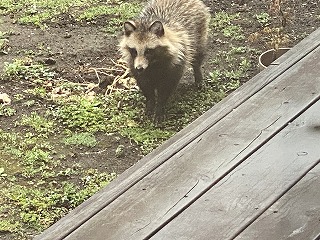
196,65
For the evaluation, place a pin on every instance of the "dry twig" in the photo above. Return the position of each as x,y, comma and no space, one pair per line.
120,75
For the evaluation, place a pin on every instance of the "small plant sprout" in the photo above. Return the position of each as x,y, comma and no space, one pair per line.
81,139
263,18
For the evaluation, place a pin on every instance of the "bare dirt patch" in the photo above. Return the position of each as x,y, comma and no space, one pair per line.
71,48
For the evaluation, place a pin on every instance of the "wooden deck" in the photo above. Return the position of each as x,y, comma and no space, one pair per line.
247,169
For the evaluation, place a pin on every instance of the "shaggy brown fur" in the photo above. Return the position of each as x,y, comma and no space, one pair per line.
168,36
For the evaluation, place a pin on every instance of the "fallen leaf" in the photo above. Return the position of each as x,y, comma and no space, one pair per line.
5,99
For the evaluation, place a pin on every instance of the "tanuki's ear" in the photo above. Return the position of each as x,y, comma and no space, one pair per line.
129,27
157,28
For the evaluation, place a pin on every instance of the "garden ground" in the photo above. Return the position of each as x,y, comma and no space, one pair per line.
71,118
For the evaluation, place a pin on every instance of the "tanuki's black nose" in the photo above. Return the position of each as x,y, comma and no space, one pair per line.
139,69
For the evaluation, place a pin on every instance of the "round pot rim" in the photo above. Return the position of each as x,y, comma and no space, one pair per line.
270,50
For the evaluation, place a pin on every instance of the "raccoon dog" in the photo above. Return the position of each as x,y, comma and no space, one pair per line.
158,46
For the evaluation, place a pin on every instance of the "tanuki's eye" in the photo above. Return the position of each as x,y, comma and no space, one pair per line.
133,52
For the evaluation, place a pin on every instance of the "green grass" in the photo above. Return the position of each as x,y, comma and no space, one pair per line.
42,12
82,114
29,151
223,22
39,11
28,70
41,179
39,123
120,12
39,205
81,139
7,111
36,197
9,225
263,18
232,68
104,115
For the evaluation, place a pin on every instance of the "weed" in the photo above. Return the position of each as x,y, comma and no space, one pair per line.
147,137
275,35
223,22
237,50
222,19
125,115
10,226
120,12
83,114
72,195
38,123
67,172
29,103
19,97
233,32
40,92
7,111
232,69
36,19
9,138
37,12
40,11
31,152
263,18
93,182
85,139
70,86
35,161
38,203
27,70
35,207
94,12
244,65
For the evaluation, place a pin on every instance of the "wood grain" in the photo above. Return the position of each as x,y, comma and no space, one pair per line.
295,216
255,186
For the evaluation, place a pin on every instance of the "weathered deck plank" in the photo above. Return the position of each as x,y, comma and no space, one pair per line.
138,181
295,216
247,192
161,195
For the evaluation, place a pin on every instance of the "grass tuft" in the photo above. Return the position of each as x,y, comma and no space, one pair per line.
81,139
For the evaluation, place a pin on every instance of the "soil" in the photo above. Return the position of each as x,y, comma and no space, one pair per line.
71,48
